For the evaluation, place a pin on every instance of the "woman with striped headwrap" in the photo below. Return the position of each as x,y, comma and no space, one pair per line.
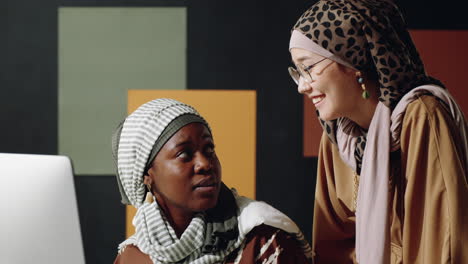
392,171
165,152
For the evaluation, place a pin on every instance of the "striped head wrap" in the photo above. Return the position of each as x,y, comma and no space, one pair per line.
138,139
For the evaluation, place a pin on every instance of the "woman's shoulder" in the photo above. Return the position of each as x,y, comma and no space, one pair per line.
263,233
428,111
425,105
132,254
266,234
266,242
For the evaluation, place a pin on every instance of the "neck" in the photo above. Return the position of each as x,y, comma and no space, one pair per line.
177,217
364,113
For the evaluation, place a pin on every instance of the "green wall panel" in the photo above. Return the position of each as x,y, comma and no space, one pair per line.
103,52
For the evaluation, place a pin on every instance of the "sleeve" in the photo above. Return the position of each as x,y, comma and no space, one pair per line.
132,255
435,222
334,221
266,244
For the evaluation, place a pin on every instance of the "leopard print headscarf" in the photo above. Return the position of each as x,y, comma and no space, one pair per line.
371,36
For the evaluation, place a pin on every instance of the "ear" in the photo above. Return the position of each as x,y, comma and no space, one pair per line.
147,180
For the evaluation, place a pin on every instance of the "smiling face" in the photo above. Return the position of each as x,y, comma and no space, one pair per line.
186,173
333,90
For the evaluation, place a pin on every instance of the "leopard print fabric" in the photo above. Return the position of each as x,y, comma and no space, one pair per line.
371,35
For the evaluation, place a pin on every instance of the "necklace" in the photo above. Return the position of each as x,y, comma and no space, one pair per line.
356,188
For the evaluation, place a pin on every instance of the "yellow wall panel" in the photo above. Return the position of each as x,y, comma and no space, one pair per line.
232,117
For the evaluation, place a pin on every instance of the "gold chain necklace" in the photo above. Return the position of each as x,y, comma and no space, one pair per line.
356,188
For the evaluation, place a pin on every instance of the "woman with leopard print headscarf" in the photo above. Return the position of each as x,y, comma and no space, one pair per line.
392,170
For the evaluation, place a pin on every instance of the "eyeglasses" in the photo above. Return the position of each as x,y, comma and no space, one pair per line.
302,71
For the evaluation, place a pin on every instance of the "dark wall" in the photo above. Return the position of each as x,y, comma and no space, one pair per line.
28,77
231,45
102,217
422,14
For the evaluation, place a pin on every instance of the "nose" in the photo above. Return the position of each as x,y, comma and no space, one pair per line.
304,87
203,164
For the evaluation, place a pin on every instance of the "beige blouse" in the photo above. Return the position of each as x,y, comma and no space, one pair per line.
429,189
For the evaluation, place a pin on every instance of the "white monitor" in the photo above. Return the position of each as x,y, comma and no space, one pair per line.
38,211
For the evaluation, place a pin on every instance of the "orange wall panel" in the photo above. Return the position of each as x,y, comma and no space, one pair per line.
232,117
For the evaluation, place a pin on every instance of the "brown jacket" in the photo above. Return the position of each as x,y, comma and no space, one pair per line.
429,217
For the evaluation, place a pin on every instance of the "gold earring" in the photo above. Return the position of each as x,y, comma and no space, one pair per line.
149,195
360,80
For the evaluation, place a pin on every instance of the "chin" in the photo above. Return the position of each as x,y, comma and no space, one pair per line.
205,204
330,111
327,116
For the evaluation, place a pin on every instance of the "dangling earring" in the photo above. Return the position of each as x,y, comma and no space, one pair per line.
360,80
149,195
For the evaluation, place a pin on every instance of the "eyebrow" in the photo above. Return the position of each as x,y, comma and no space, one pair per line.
209,138
186,142
301,59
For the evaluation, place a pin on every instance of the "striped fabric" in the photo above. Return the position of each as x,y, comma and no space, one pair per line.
136,142
155,237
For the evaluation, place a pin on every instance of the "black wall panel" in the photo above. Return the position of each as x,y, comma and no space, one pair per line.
443,15
102,217
28,80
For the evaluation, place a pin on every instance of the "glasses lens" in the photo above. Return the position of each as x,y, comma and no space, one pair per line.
294,74
305,74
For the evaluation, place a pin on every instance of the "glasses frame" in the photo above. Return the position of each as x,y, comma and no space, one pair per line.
303,71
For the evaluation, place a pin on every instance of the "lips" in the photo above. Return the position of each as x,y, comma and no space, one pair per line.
206,183
317,99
